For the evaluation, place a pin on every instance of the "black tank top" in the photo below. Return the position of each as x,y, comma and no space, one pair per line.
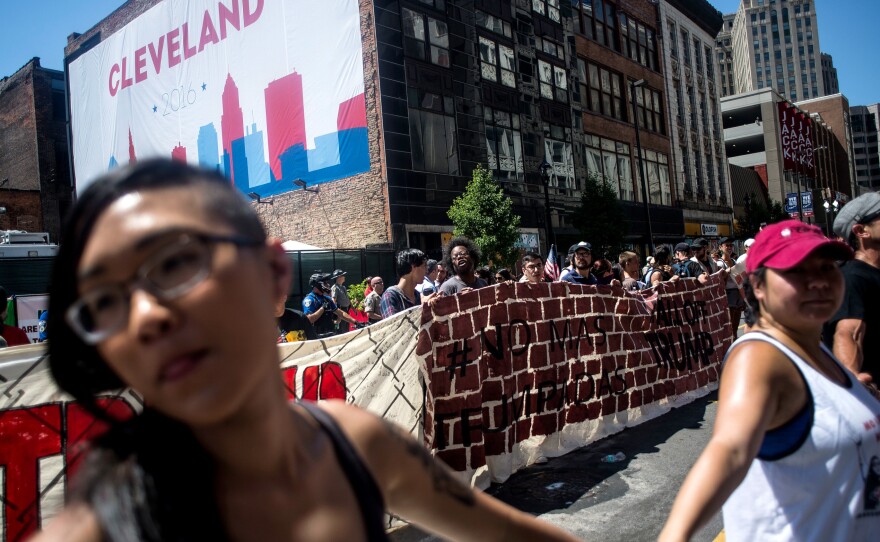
366,491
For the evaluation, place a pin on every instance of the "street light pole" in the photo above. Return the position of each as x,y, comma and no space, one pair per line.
545,168
641,167
748,219
830,209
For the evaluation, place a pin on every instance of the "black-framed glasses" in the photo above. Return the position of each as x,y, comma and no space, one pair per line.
169,273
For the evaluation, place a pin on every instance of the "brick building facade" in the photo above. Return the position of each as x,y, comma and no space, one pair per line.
34,168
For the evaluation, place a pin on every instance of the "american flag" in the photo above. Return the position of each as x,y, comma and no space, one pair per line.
551,266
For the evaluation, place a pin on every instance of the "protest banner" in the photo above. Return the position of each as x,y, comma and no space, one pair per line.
522,372
493,380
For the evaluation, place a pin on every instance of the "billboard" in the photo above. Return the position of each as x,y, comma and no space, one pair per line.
796,132
265,91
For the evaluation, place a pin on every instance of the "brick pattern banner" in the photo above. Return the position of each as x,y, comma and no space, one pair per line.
522,372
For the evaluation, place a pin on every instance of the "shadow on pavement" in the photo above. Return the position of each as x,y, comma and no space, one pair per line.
561,481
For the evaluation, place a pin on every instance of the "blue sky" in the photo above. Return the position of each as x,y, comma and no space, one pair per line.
40,28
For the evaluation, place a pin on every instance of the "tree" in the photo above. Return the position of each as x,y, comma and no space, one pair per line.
600,218
757,214
485,215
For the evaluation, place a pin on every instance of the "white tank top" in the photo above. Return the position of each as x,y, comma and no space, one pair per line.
828,489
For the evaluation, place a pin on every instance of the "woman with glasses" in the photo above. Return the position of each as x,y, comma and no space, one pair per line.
796,434
166,283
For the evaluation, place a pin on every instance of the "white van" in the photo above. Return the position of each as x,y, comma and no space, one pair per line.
20,244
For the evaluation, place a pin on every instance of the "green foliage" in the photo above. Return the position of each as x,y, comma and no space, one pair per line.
756,214
485,215
600,218
356,294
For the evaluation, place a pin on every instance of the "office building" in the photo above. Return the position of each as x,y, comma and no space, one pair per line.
692,74
866,156
776,45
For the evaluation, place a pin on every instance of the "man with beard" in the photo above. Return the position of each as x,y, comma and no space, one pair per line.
700,248
460,257
581,255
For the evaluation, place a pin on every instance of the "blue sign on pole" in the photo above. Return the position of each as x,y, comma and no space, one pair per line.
807,203
791,203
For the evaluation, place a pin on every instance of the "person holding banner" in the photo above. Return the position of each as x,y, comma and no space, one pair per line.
154,257
796,434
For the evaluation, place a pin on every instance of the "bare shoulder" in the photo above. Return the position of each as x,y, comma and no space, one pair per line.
374,438
759,360
76,523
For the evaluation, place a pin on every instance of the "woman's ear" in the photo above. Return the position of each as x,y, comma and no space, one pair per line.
282,271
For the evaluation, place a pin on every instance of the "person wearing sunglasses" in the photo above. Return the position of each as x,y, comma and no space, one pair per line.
167,284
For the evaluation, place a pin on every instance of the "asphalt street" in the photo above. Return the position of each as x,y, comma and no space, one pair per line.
627,501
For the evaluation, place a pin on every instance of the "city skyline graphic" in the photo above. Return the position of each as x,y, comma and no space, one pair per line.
241,157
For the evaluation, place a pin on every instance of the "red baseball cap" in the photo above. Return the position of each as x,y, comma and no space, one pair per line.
786,244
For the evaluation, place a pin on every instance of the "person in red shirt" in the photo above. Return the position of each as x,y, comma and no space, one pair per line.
13,335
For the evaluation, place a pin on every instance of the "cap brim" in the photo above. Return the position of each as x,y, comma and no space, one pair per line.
795,253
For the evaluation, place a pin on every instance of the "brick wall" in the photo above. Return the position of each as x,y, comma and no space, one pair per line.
514,362
33,151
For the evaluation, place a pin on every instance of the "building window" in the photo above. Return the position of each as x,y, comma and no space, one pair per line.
601,90
425,38
497,62
686,48
432,132
599,22
557,151
436,4
548,8
554,83
610,160
504,143
710,67
493,24
649,110
551,48
639,42
657,169
673,41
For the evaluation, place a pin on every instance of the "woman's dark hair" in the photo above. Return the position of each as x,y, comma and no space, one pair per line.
617,271
459,241
504,273
147,478
661,256
408,258
753,309
486,274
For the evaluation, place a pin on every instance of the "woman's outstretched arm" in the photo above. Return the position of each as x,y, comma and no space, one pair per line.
748,403
426,492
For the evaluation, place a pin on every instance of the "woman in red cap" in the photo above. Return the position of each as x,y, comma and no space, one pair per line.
796,433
